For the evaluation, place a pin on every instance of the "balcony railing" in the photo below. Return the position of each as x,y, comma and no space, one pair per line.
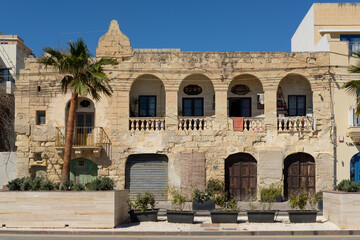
83,137
195,123
296,124
249,124
147,124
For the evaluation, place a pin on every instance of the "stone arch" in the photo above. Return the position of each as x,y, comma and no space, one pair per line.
245,96
294,96
147,173
147,96
241,175
83,170
194,102
299,174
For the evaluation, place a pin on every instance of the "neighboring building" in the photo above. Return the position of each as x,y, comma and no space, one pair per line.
335,28
180,118
12,54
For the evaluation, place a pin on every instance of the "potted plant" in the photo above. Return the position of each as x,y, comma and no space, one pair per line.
202,200
266,215
140,211
177,214
272,190
215,186
299,201
319,197
226,211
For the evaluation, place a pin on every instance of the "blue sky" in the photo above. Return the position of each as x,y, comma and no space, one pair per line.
191,25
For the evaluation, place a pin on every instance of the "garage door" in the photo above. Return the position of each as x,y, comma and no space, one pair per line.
147,173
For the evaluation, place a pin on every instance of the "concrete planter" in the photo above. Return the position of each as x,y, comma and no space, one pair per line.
224,216
305,216
146,216
86,209
342,208
180,216
206,205
261,216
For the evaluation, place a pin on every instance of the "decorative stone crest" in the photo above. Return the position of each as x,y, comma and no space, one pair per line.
114,43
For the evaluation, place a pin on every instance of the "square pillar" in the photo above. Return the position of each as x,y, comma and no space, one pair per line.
171,109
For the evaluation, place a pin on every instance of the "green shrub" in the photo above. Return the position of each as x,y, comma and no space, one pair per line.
78,187
226,203
15,184
142,202
348,186
178,199
298,200
268,195
67,186
215,185
26,184
47,185
100,184
319,195
201,196
36,184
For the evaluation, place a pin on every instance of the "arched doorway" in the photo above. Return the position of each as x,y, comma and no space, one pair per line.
147,173
241,176
83,170
299,174
355,168
84,122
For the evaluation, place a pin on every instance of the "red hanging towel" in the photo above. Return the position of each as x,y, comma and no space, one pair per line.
238,124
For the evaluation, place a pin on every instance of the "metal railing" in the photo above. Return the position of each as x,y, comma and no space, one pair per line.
147,124
83,137
296,124
254,124
195,123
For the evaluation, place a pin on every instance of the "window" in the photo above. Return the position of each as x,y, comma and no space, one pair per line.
147,106
40,117
297,105
193,107
4,75
354,42
239,107
38,157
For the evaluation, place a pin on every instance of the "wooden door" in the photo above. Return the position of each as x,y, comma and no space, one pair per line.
84,135
241,176
299,174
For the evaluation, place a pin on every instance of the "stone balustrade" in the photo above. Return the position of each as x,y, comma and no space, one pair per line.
296,124
195,123
255,124
146,124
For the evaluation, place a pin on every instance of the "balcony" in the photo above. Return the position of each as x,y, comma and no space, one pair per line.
249,125
195,123
298,124
85,138
146,124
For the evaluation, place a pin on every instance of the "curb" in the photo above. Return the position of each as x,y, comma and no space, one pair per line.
208,233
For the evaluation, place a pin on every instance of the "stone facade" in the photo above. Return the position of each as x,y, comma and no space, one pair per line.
164,73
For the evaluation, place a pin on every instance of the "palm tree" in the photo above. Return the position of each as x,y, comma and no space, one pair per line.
353,86
83,75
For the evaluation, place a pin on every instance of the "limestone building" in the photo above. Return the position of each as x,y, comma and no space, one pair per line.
181,118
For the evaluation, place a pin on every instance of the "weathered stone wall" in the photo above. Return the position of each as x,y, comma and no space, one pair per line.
269,146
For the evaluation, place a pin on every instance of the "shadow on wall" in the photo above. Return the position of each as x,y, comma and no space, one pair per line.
8,161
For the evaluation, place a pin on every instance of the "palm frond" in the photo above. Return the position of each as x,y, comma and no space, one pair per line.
352,86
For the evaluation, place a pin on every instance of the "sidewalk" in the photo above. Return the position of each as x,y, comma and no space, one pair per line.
202,226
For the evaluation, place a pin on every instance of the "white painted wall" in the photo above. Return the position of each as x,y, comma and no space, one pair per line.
323,45
303,38
8,161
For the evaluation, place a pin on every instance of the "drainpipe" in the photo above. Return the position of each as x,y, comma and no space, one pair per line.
334,140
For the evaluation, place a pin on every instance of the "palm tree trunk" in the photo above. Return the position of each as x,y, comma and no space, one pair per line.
65,173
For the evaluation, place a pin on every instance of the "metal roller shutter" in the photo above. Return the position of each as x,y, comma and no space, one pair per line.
147,173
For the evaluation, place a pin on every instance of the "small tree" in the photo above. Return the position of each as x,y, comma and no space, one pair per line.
83,75
353,86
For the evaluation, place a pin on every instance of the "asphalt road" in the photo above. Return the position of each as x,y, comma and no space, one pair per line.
133,237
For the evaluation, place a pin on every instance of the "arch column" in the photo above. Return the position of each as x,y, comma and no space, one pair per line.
270,108
171,109
221,109
122,107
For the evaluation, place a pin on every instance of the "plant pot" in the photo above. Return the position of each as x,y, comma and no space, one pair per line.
224,216
278,198
148,215
308,216
180,216
261,216
206,205
320,204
